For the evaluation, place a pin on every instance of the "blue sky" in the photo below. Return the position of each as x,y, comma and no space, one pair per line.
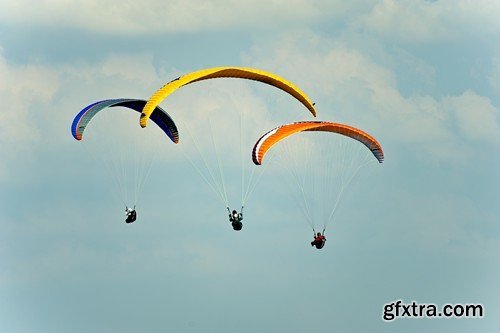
423,77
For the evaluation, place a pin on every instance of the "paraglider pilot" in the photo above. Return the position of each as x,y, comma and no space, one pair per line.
131,214
235,219
319,241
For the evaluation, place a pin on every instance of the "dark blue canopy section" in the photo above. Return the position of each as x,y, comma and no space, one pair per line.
159,116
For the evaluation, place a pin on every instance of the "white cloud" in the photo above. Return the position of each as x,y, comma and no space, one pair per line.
24,92
133,76
38,99
425,21
153,16
132,68
418,68
476,117
494,78
349,86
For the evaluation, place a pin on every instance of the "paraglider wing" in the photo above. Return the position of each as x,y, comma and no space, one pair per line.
159,116
277,134
222,72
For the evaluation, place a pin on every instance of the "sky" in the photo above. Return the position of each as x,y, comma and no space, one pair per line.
423,77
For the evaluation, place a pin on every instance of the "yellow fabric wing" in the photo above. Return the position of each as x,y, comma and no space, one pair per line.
222,72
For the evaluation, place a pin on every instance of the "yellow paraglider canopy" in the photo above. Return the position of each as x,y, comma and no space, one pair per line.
222,72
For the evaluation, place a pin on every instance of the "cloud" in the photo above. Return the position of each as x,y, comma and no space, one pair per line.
494,77
476,117
426,21
21,87
39,99
24,92
63,238
217,103
349,85
153,16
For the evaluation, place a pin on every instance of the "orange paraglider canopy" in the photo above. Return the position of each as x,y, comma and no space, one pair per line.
277,134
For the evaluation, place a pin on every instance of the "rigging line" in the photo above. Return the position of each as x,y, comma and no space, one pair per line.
242,160
137,168
328,174
204,159
143,159
292,190
122,148
108,165
308,178
212,184
255,177
253,170
214,189
114,160
252,185
97,157
251,189
364,161
291,166
148,157
114,170
143,156
127,175
145,165
245,190
313,183
344,180
219,163
332,176
115,165
301,183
